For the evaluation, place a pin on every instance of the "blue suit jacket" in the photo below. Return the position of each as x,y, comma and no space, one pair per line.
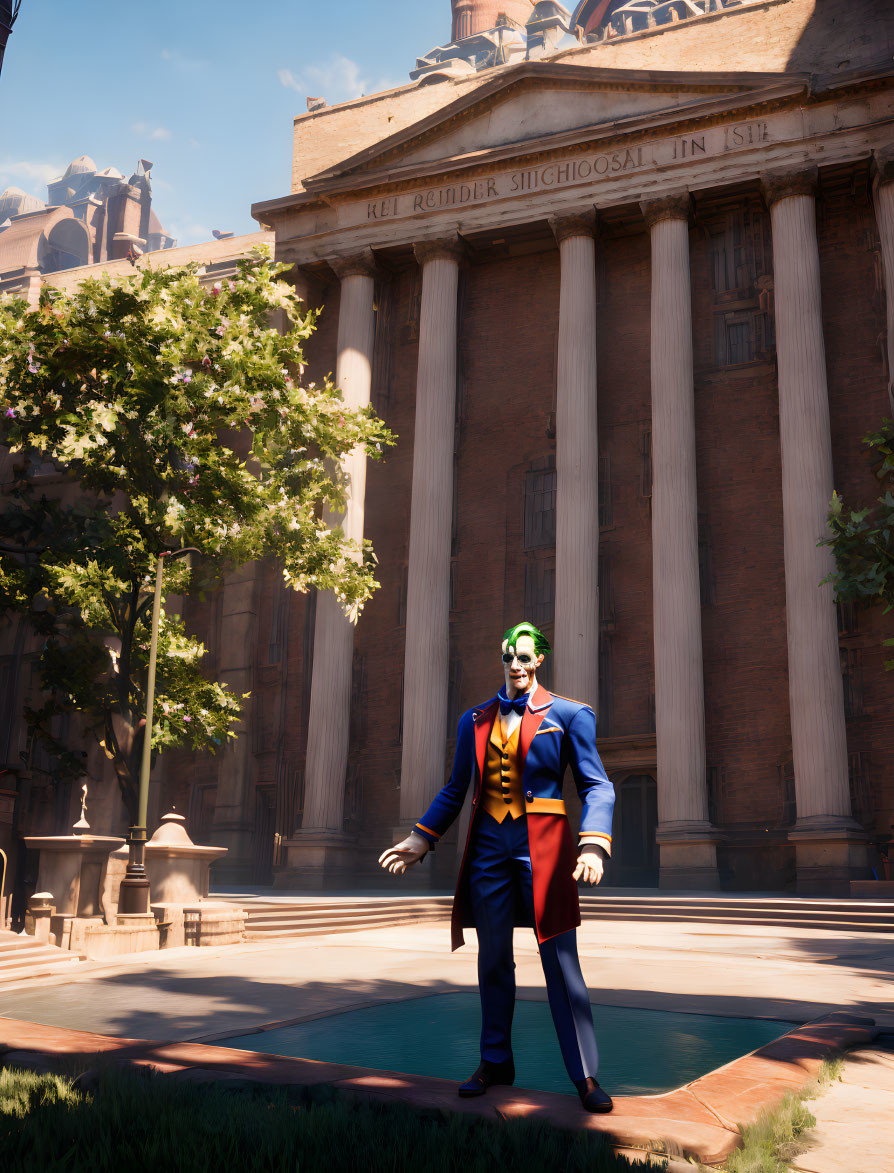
555,733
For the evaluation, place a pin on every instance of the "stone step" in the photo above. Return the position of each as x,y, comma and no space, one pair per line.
332,924
15,943
329,905
284,917
344,910
41,969
11,961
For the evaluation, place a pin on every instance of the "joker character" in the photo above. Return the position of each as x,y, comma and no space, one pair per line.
520,865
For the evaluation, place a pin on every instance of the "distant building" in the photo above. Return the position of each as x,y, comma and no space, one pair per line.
90,217
487,33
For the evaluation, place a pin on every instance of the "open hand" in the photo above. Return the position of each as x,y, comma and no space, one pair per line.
404,854
590,864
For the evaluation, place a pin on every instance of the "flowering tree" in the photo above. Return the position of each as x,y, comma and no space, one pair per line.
179,418
863,540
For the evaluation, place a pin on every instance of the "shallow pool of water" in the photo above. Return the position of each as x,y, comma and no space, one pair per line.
642,1052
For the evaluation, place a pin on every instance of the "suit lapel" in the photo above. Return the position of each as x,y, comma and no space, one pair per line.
484,722
538,707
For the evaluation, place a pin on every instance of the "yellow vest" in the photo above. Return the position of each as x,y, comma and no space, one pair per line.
502,775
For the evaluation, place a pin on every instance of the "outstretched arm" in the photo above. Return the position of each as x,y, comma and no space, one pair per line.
597,797
442,812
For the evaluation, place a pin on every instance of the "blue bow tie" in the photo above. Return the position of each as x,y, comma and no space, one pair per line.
517,706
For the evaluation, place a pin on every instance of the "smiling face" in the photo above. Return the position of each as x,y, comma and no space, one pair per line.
520,664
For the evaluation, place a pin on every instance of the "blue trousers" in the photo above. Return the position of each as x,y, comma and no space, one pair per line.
499,880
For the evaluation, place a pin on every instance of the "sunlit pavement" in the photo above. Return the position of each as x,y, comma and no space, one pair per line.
791,974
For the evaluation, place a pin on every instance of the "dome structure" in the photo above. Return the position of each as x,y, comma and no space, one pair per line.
476,16
82,165
15,202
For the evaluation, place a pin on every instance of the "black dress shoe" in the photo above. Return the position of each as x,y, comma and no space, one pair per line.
488,1075
592,1096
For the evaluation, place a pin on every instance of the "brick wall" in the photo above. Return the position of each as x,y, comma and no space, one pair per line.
505,435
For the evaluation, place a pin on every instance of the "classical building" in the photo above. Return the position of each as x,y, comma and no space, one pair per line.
622,281
621,292
90,217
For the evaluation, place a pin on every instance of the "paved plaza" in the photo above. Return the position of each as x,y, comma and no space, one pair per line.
788,974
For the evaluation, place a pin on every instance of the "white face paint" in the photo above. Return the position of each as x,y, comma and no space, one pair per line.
520,670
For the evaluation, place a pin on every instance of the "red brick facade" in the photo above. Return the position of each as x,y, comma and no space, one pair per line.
503,548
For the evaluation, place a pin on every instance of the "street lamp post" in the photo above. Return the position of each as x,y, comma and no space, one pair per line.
9,10
133,899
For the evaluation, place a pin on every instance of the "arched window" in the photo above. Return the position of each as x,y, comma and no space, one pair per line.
66,245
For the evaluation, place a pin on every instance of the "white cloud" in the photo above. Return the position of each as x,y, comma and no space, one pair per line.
184,64
29,171
187,231
145,130
337,80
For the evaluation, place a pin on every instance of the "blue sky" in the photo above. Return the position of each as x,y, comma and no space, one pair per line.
205,90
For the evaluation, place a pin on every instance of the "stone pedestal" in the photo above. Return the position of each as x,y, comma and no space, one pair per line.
213,922
73,868
177,868
39,916
830,853
317,860
688,855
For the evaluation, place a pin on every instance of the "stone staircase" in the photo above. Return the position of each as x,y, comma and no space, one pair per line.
301,918
305,916
25,957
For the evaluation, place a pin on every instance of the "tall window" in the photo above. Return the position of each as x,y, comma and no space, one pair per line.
741,270
540,505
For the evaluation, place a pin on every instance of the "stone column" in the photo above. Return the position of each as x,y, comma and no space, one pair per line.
427,656
320,850
884,211
687,842
576,631
830,847
233,803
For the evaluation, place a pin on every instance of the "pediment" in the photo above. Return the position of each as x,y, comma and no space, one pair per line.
539,106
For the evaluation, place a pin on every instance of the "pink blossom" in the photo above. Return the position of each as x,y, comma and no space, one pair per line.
215,289
187,718
10,413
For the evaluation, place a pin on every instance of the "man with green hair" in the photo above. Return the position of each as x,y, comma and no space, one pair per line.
520,864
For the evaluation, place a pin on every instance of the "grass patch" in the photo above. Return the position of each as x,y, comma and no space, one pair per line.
134,1120
775,1138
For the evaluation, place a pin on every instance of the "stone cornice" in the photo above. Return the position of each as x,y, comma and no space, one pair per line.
579,223
386,167
782,185
359,264
442,248
671,207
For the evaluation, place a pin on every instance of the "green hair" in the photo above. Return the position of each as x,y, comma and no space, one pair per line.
541,643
